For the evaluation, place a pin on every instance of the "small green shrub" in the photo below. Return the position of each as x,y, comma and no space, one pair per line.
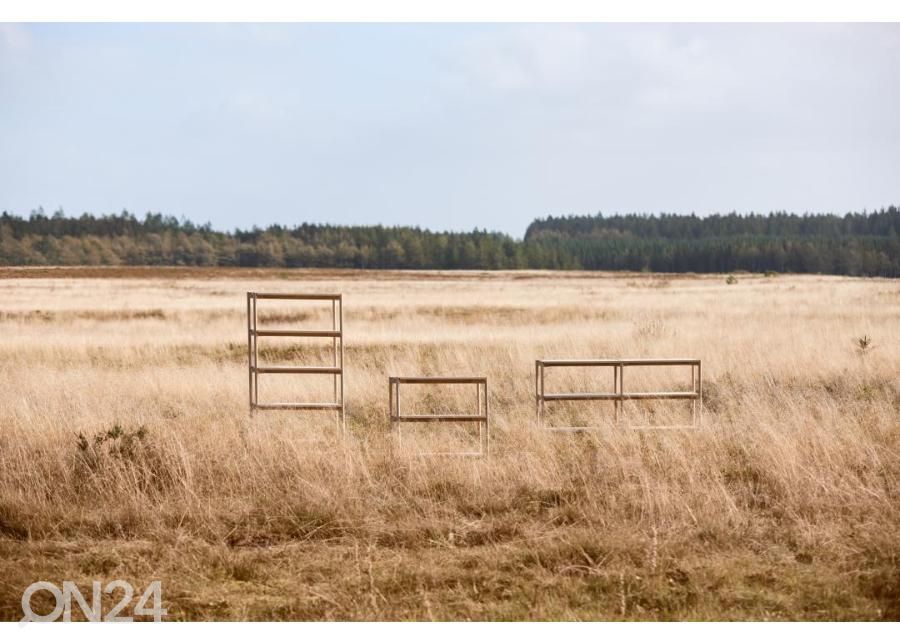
864,344
117,442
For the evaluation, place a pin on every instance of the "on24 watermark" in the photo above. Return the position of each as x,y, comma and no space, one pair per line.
148,605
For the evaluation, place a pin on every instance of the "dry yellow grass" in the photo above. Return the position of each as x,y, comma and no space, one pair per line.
784,505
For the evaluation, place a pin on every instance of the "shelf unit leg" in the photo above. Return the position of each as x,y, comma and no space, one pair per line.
487,421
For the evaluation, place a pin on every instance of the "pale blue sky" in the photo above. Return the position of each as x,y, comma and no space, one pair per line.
447,126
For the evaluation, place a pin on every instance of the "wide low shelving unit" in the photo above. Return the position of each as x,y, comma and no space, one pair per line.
480,417
619,394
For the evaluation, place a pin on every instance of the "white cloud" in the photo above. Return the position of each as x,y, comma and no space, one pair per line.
644,67
674,74
14,38
527,57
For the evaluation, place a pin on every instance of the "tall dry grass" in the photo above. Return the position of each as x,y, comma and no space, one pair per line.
126,450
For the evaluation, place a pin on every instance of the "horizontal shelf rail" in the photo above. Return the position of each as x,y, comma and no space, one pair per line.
307,370
289,333
290,405
634,362
661,395
439,380
433,418
582,396
295,296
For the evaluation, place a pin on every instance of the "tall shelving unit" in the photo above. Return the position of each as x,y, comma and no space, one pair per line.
336,333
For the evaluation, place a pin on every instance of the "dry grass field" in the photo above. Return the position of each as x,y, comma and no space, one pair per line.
126,450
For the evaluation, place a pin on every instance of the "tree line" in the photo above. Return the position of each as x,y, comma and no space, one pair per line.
853,244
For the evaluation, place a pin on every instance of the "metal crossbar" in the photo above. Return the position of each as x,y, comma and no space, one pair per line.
619,395
480,417
336,333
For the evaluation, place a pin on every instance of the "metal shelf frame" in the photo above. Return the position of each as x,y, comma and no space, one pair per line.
480,417
335,333
619,395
